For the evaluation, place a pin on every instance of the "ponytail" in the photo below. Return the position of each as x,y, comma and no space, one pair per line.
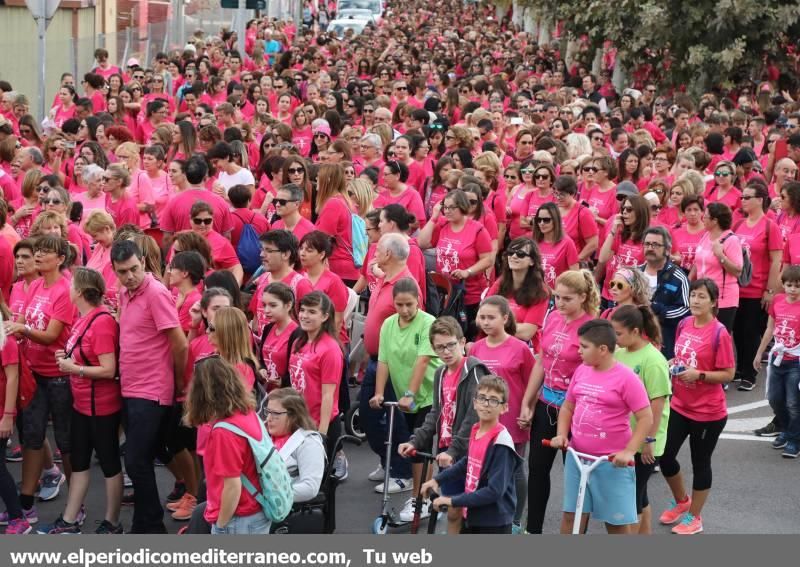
502,305
582,281
639,317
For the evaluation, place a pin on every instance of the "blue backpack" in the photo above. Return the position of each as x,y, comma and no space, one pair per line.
249,248
358,229
275,494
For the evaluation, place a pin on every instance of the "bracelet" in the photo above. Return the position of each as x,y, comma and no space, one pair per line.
408,394
649,439
80,371
14,413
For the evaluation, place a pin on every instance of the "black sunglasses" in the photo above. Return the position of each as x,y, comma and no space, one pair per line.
283,202
202,221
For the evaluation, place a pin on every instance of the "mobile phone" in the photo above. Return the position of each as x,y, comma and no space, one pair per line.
516,121
69,145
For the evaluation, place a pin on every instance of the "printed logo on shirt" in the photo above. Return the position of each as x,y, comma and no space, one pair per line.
784,331
297,374
588,417
448,257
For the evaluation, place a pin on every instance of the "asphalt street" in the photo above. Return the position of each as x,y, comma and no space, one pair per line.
754,491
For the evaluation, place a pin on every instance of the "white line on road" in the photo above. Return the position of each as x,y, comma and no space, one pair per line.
748,407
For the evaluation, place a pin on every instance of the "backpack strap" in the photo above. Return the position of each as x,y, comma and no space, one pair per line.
244,221
251,489
79,345
264,335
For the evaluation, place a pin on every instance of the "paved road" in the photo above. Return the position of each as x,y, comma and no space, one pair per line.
755,490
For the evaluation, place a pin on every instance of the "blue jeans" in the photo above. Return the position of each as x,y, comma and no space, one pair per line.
376,424
257,524
784,397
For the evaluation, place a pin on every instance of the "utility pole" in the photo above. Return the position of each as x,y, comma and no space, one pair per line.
42,11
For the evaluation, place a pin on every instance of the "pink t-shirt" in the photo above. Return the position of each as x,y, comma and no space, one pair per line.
90,205
184,306
604,401
222,251
557,257
9,355
579,225
532,314
409,199
18,298
381,307
476,455
536,200
733,198
42,305
685,243
495,202
314,365
100,336
461,250
760,239
100,260
518,204
791,251
333,286
123,211
788,224
145,362
299,284
199,348
787,323
228,455
627,254
559,354
447,415
275,351
244,216
335,219
416,179
705,348
176,214
162,190
513,362
141,191
303,227
604,201
708,266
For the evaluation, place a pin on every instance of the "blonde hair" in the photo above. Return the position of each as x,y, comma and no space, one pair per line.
691,178
488,162
126,149
97,221
582,281
233,336
30,182
48,217
363,195
216,392
640,287
296,408
384,131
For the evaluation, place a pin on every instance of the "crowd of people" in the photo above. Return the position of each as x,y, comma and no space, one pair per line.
184,242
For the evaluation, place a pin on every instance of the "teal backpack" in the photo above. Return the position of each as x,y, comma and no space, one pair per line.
360,240
275,496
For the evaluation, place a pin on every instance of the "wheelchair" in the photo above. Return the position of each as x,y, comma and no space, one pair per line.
318,515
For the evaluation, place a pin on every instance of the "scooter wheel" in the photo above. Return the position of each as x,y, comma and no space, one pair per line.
379,527
352,423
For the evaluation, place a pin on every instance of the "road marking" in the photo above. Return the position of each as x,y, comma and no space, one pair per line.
742,437
748,407
745,424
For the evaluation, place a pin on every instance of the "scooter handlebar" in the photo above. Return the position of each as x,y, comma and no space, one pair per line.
546,443
415,453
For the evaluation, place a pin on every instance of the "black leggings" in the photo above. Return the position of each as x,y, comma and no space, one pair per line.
750,324
99,434
703,436
545,421
8,488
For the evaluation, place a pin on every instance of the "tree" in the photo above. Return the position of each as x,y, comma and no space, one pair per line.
699,44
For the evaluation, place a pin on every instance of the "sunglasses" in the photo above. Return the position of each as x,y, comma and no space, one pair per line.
52,202
296,170
43,188
200,221
322,136
722,174
527,172
519,254
542,176
199,114
590,169
507,176
655,207
627,209
283,202
616,285
401,88
544,220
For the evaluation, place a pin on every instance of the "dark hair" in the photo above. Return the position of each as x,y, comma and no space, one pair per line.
284,241
760,191
558,227
505,310
124,250
399,215
321,300
192,263
690,200
711,287
599,332
533,289
239,195
464,156
792,190
639,317
642,211
446,325
790,274
196,170
221,150
398,168
319,241
721,213
566,184
224,280
405,285
201,207
281,291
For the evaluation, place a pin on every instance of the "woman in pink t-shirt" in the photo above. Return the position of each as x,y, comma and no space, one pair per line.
687,235
671,213
577,301
278,301
718,257
600,194
577,219
395,175
703,362
335,219
140,189
543,178
315,249
161,187
623,244
722,189
223,255
518,203
789,215
556,248
227,456
512,360
184,273
100,226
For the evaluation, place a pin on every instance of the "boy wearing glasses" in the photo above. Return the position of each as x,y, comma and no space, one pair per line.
489,492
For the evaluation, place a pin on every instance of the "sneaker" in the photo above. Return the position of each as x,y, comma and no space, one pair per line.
378,474
183,530
31,516
791,451
769,430
14,454
126,481
172,506
516,529
396,485
690,525
57,458
745,386
340,466
779,442
185,508
51,485
407,513
178,490
81,517
657,468
59,527
675,511
20,526
128,499
107,528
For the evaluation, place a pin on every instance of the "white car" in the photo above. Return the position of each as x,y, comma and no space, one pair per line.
340,27
374,6
357,14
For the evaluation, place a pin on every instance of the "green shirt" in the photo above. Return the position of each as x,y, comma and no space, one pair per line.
399,350
652,369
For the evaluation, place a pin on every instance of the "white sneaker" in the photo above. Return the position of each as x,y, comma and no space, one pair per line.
396,485
378,474
407,513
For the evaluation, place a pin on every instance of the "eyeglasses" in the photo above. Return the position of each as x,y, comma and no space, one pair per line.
199,221
449,207
542,176
296,170
272,413
518,254
526,172
616,285
368,110
486,401
107,179
544,220
627,209
401,88
525,142
722,173
52,202
135,89
448,347
653,245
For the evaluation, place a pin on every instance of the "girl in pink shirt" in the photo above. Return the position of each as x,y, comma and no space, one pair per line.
184,274
686,236
623,244
577,301
704,361
335,219
556,248
278,301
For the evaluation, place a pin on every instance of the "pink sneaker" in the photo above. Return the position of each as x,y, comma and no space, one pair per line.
20,526
675,512
690,525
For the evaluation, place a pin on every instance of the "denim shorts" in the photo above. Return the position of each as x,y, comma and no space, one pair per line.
610,493
257,524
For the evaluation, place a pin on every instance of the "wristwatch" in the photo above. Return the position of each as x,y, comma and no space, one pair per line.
702,377
649,439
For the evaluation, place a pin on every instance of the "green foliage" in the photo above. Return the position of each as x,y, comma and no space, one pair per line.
707,42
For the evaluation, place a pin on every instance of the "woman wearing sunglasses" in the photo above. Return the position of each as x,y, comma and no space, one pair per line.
122,208
629,286
623,246
557,250
519,202
58,201
722,189
223,254
320,142
599,192
543,177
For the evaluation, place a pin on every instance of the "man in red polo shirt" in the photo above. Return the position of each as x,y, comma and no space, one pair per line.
391,255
